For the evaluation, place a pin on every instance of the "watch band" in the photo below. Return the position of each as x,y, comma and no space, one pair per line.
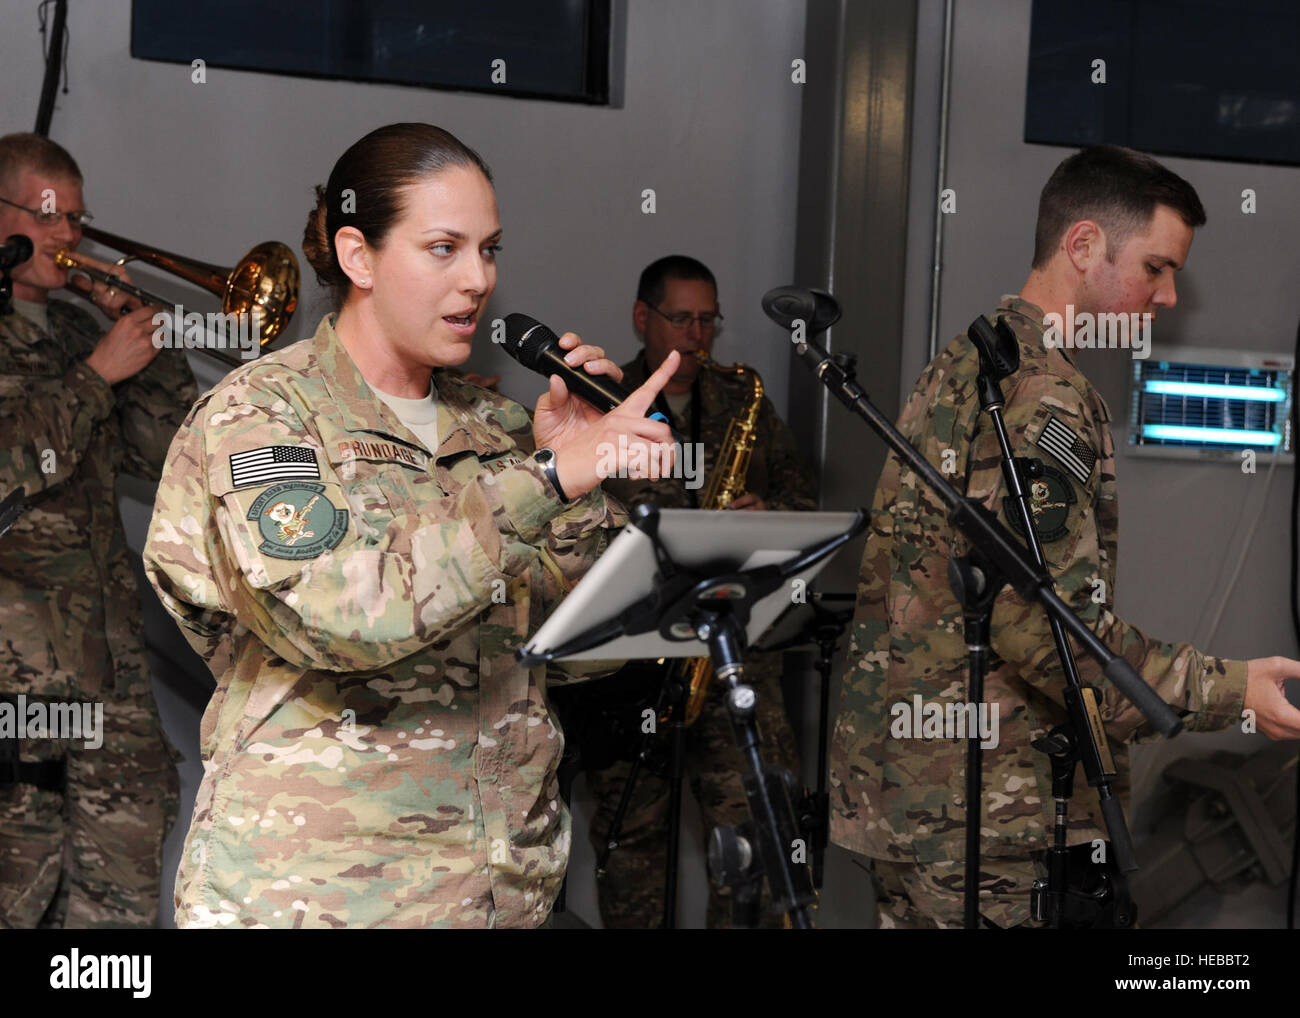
546,458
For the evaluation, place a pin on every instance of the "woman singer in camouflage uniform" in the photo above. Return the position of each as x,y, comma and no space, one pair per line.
357,542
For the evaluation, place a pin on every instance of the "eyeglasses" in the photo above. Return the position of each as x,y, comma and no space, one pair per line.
77,219
709,322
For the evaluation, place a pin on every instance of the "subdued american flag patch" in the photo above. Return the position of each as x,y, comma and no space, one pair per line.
273,463
1071,451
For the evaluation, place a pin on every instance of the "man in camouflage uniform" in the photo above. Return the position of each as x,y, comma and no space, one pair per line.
676,297
1113,228
81,828
374,755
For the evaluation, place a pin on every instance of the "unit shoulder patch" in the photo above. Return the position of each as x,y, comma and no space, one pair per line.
297,520
1050,499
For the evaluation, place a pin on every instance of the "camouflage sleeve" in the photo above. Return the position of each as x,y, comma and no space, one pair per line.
319,586
48,426
578,534
1048,419
791,481
152,404
574,540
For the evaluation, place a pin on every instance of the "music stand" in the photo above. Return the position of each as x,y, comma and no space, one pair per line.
684,583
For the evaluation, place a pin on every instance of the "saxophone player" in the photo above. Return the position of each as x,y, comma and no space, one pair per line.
677,309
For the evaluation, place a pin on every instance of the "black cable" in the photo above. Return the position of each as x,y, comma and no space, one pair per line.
55,63
1295,623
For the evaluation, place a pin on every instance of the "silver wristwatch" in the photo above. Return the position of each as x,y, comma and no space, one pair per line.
546,460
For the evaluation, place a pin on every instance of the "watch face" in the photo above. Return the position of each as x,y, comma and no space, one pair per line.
544,456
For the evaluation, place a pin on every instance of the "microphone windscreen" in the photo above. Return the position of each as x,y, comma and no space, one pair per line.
817,309
22,246
526,337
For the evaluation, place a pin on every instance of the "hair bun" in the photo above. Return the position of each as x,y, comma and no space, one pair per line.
316,245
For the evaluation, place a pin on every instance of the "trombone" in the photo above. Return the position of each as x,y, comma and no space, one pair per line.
264,284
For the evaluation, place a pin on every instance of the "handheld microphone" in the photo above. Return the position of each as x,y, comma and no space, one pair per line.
16,250
535,346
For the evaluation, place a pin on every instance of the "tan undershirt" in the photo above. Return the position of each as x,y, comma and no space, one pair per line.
38,314
419,415
678,403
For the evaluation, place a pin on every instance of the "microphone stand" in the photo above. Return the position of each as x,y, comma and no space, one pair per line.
16,249
6,290
1008,562
975,583
13,506
686,604
999,355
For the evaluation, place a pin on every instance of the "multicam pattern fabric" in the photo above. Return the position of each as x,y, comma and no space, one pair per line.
903,799
70,627
88,856
374,755
931,896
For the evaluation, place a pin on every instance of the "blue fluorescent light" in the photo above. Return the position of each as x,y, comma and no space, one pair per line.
1261,394
1213,436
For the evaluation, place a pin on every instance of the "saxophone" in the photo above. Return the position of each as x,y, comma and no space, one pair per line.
726,483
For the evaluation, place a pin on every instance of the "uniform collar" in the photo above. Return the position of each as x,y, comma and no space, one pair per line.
463,415
1033,316
460,425
50,344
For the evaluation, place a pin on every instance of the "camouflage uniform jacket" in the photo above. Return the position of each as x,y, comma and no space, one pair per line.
69,607
777,473
903,798
374,755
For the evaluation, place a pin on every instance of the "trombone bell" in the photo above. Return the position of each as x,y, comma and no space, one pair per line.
265,281
266,278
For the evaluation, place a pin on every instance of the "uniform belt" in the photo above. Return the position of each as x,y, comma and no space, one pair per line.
46,774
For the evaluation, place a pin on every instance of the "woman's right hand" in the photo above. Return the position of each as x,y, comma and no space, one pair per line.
621,443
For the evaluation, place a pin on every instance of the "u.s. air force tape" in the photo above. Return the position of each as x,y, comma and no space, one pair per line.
1071,451
297,520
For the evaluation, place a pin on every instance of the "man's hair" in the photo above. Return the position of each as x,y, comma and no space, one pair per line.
655,276
1115,187
28,151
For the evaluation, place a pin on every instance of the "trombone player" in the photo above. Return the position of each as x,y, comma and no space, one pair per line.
82,819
